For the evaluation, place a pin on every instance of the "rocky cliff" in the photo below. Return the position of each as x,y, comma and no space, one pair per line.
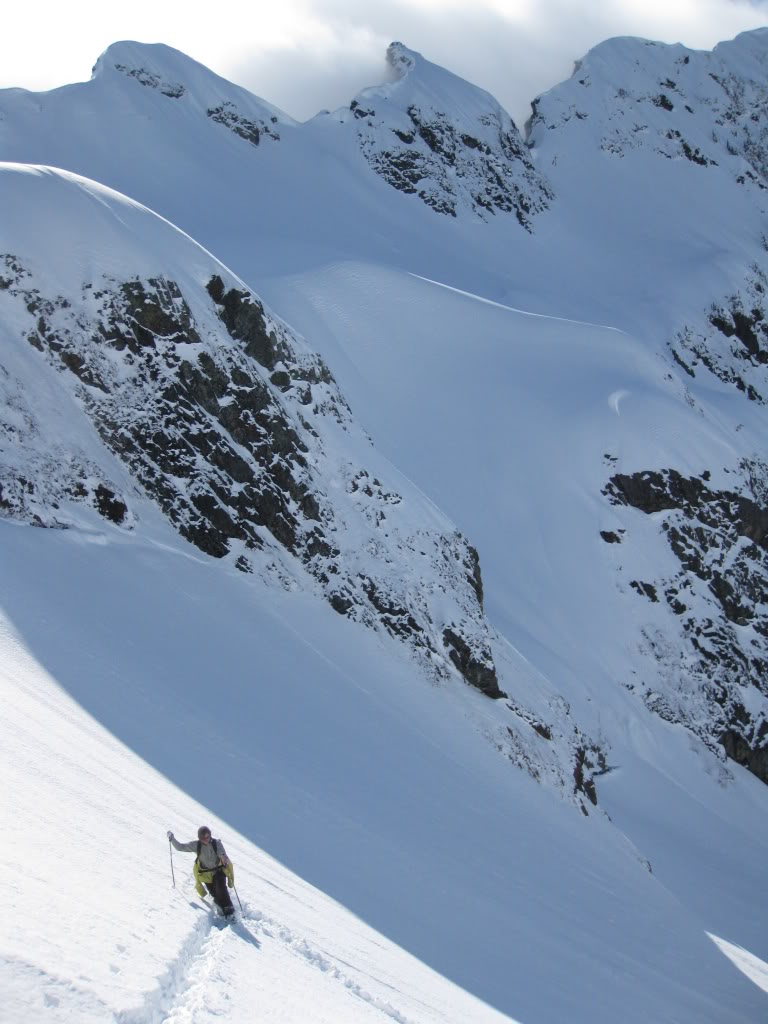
222,417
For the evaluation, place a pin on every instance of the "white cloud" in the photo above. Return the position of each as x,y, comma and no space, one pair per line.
304,55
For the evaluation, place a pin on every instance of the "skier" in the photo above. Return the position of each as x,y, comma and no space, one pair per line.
212,867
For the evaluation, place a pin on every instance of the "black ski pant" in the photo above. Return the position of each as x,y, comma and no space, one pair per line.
218,889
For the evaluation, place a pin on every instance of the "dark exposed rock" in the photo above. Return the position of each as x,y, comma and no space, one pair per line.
586,757
221,447
359,111
75,362
742,326
438,135
694,154
645,589
142,316
720,538
174,90
474,576
397,619
487,170
652,492
733,342
252,484
244,320
340,604
109,506
477,670
589,762
752,754
251,131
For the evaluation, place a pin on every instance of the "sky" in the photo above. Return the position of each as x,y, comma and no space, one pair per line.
306,55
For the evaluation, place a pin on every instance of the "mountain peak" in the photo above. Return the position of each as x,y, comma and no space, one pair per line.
150,64
697,109
432,134
174,75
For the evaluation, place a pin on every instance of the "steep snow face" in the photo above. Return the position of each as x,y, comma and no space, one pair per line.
664,246
603,578
435,136
277,206
220,414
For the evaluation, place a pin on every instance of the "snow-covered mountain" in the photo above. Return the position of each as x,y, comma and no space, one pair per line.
221,416
557,345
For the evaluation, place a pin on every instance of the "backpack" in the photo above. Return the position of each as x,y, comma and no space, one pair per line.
228,870
214,844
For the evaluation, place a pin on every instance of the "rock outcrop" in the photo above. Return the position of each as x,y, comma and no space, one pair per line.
716,655
434,136
233,427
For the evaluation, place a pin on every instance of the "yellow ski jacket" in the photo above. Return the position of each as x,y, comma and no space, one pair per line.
205,877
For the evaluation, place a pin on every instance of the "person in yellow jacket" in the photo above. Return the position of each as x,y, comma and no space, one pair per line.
212,867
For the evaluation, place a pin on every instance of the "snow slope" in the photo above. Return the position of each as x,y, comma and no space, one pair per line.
431,839
330,749
93,929
512,375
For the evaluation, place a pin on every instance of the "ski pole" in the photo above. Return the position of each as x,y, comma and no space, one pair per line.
170,852
238,897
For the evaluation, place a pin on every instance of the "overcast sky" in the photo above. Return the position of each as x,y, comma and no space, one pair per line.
304,55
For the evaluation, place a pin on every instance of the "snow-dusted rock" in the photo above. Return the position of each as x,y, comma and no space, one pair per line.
221,414
433,135
708,108
731,342
714,659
